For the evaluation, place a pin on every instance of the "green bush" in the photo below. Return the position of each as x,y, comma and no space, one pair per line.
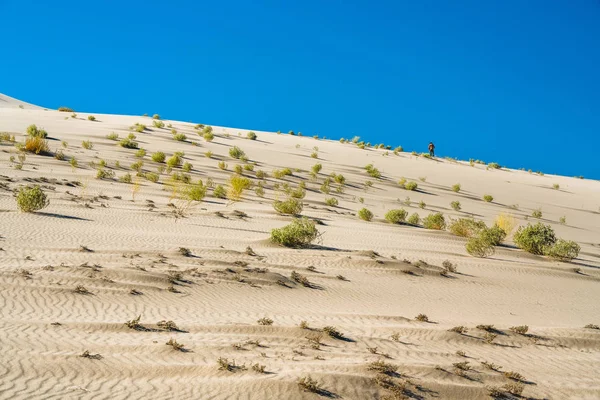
455,205
372,171
563,250
30,199
494,235
365,214
331,201
260,174
65,109
414,219
174,161
187,167
299,233
251,135
86,144
396,216
290,206
435,221
105,174
466,227
112,136
180,137
159,157
208,136
91,118
128,143
152,176
494,165
220,192
125,178
196,192
456,188
236,152
537,213
156,116
411,186
158,124
479,247
535,239
488,198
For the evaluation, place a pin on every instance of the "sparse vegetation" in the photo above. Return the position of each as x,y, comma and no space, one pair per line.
537,213
299,233
488,198
365,214
396,216
456,188
31,199
36,145
414,219
535,239
88,145
236,152
435,221
265,321
411,186
422,318
455,205
520,329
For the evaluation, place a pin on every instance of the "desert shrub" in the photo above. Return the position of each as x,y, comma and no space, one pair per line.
125,178
236,152
222,165
137,166
414,219
65,109
208,154
331,201
494,165
298,193
455,205
402,183
290,206
128,143
507,222
187,167
73,162
365,214
251,135
208,136
196,192
299,233
325,188
219,192
159,157
34,131
396,216
91,118
338,178
281,173
260,174
86,144
31,199
237,185
112,136
306,383
563,250
494,235
466,227
36,145
478,247
372,171
174,161
158,124
535,239
488,198
248,167
422,205
259,191
138,127
238,169
105,174
59,155
152,176
456,188
435,221
411,186
537,213
314,154
180,137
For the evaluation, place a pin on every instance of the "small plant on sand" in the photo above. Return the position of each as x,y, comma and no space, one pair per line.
128,143
158,124
333,332
141,153
31,199
537,213
251,135
265,321
112,136
448,266
299,233
220,192
411,186
382,367
80,289
396,216
180,137
459,329
520,329
307,384
236,152
34,131
187,167
422,318
478,247
455,205
535,239
506,222
88,145
134,323
515,376
456,188
196,192
435,221
414,219
301,279
365,214
91,118
237,185
174,161
175,345
105,174
466,227
290,206
488,198
36,145
331,201
158,157
592,326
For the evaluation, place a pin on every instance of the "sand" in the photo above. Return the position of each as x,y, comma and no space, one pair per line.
112,238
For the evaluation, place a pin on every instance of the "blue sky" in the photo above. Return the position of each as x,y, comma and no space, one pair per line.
511,81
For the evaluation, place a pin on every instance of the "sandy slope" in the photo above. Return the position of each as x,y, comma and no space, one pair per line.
224,291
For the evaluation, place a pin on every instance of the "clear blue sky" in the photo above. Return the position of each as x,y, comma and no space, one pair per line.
517,82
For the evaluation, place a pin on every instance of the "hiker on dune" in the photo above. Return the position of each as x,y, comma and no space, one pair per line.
431,149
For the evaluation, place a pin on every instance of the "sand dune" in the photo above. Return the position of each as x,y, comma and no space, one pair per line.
121,242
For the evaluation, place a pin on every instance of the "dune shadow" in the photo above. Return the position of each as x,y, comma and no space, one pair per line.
46,214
